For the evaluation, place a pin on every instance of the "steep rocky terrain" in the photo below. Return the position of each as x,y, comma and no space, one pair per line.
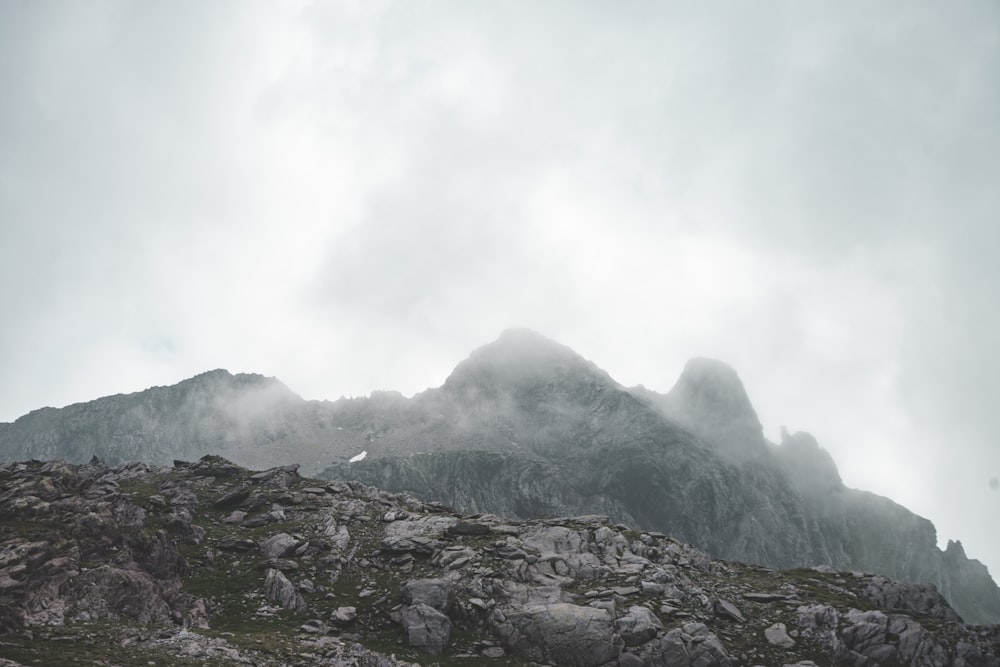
207,563
564,438
526,428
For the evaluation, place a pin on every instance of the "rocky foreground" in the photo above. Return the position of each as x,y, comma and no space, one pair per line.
207,563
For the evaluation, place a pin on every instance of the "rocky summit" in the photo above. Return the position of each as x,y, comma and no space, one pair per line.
526,428
208,563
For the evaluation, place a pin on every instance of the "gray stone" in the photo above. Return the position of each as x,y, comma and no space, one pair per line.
726,609
436,593
777,635
638,626
469,528
234,498
630,660
343,616
422,535
315,626
922,599
425,628
258,521
560,632
235,544
651,588
279,590
281,545
672,649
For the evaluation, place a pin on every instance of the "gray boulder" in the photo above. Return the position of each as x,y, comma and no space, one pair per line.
922,599
425,628
344,616
777,635
563,633
436,593
279,590
638,626
279,546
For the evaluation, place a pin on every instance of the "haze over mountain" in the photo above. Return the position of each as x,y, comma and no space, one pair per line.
525,427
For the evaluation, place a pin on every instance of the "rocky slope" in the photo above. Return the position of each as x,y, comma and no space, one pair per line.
556,435
526,428
208,563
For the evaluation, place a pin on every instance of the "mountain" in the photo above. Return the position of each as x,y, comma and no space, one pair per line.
527,428
208,563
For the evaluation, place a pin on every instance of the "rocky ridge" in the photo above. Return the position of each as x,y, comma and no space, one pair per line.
210,563
527,428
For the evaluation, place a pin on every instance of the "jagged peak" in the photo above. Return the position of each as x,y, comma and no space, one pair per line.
714,385
955,549
223,376
520,358
710,400
221,379
809,466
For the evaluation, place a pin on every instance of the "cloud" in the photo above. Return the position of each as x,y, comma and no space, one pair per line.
353,195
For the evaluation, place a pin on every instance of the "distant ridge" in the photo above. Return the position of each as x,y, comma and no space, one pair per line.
526,427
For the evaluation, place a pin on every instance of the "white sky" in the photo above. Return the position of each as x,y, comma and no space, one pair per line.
354,195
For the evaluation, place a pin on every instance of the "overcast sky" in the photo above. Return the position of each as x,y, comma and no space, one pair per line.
353,195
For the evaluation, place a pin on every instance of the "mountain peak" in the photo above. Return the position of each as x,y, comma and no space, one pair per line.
710,400
809,466
526,342
522,358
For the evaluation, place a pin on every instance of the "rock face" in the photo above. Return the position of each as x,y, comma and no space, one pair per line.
527,428
710,401
76,550
559,632
347,570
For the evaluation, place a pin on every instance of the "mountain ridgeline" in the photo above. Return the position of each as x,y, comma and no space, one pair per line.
527,428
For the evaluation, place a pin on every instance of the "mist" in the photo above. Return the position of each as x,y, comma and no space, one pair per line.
351,197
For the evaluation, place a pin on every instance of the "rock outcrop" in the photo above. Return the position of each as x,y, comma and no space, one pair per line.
350,574
526,428
709,400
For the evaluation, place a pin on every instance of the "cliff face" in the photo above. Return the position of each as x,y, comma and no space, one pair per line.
527,428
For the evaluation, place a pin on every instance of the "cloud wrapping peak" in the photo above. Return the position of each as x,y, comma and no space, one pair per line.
353,195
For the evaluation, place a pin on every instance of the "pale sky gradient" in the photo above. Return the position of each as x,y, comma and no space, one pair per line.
353,195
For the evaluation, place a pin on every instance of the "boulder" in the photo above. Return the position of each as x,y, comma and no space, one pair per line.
425,628
727,610
235,544
344,616
560,632
777,635
279,590
234,498
279,546
436,593
638,626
